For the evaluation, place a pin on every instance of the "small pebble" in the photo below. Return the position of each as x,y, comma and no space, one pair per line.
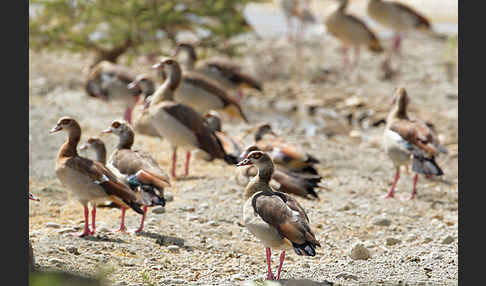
392,241
173,248
158,210
382,222
52,225
66,230
359,251
213,223
55,261
346,276
427,240
449,239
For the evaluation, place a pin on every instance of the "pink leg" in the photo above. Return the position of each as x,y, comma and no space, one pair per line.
128,115
188,157
93,220
174,158
392,190
406,170
282,258
122,228
269,263
356,56
415,179
143,219
345,54
240,95
86,223
396,43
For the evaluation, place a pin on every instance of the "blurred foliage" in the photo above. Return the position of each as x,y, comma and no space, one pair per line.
112,28
38,278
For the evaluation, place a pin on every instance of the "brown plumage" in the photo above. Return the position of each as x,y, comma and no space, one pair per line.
286,155
141,170
275,218
109,81
405,137
351,31
89,180
227,74
180,124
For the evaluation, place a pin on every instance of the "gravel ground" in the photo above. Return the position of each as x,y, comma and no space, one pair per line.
199,239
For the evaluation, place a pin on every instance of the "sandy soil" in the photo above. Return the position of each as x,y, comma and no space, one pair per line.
204,218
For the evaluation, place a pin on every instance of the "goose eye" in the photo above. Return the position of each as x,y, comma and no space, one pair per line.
65,121
257,155
115,124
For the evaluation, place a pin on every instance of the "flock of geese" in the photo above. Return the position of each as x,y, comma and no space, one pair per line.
184,111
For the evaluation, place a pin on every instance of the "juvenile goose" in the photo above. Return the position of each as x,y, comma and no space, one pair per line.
282,180
88,180
351,31
140,169
227,74
144,86
203,94
398,17
404,138
109,81
286,155
275,218
180,124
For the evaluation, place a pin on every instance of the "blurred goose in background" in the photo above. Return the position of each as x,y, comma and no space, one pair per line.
232,147
109,81
140,169
275,218
406,138
98,146
398,17
144,86
352,32
88,180
284,154
298,9
226,74
180,124
203,94
283,180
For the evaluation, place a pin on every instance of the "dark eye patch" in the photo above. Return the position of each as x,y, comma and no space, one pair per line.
257,155
65,121
116,124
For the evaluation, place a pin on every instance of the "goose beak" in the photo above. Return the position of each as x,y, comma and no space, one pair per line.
133,85
158,66
108,130
55,129
244,163
84,146
31,197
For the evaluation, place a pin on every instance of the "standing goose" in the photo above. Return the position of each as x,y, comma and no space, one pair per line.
398,17
144,86
300,10
88,180
109,81
140,169
203,94
351,31
227,74
180,124
284,154
404,138
275,218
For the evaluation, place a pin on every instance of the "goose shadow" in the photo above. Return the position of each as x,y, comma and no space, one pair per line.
164,240
103,238
189,178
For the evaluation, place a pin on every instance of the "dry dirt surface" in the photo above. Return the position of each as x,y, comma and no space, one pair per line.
311,101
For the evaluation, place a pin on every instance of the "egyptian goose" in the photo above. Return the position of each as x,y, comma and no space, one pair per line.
284,154
298,9
275,218
404,138
98,146
283,180
143,85
351,31
232,147
180,124
88,180
203,94
109,81
140,169
226,74
398,17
